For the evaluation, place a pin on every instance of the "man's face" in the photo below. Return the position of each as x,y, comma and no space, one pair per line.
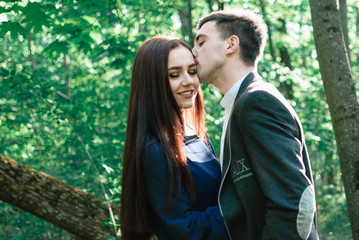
209,51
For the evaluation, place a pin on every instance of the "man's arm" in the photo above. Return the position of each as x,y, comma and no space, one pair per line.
274,146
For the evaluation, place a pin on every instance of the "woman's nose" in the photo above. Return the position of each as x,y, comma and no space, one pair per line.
188,79
194,52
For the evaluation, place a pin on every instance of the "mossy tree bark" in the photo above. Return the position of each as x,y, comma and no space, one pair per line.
76,211
341,96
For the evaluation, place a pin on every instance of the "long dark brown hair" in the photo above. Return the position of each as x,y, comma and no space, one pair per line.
153,111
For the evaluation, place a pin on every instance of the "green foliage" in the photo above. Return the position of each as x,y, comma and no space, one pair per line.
17,224
65,69
334,221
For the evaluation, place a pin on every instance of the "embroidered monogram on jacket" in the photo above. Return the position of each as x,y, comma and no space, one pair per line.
240,170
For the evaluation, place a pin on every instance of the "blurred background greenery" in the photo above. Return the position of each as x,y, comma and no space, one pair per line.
65,69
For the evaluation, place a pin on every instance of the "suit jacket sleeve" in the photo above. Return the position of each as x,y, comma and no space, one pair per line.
272,136
180,219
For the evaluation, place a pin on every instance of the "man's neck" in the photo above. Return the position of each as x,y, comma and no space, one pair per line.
231,75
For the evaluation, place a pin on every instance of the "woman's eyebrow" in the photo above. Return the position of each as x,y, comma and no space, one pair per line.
174,67
179,67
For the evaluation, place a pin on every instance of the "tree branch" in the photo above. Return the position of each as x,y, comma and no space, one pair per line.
69,208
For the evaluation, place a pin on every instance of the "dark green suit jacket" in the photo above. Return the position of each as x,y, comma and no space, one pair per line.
267,187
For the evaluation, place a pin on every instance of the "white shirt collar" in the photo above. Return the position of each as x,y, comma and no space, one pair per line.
227,103
228,99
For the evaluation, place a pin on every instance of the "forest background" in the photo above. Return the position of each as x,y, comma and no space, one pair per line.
65,69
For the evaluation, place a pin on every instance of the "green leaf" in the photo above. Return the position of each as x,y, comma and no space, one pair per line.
14,28
4,72
57,47
35,16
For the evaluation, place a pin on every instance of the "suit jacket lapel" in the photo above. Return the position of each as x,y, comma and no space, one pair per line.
227,148
251,77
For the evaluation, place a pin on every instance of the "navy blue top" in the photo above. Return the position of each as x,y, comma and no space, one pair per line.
183,220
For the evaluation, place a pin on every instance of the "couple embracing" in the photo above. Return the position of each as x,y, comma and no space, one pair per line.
173,185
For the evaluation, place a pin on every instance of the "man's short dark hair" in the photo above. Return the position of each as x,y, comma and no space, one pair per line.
246,25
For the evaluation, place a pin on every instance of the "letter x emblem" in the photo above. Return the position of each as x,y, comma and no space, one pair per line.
240,166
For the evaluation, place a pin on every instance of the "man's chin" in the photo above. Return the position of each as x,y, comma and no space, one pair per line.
203,80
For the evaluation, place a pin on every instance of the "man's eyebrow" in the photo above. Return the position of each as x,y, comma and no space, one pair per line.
199,36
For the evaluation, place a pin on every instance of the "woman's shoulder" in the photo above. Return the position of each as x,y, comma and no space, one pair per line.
152,151
152,143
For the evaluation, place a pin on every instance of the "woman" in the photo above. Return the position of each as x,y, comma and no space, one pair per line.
170,177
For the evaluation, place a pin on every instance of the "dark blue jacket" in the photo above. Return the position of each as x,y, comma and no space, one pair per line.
267,187
183,220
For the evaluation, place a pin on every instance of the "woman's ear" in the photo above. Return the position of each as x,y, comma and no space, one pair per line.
233,44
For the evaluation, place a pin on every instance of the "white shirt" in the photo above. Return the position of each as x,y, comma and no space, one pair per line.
227,103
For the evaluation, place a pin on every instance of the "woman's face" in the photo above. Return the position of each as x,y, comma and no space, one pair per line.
182,74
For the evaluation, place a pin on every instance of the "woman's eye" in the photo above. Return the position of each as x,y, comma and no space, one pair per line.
201,43
173,75
194,71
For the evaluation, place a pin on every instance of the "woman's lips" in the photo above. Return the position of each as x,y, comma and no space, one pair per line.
188,93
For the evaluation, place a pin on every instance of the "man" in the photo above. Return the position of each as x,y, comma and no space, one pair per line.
267,187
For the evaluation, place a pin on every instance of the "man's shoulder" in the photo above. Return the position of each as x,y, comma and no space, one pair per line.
259,89
259,96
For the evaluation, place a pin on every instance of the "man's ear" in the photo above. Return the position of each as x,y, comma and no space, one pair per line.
232,44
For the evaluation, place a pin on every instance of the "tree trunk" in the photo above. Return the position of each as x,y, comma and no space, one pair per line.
341,97
31,56
220,5
270,41
357,26
210,5
284,53
286,86
302,9
69,208
67,76
344,21
185,13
